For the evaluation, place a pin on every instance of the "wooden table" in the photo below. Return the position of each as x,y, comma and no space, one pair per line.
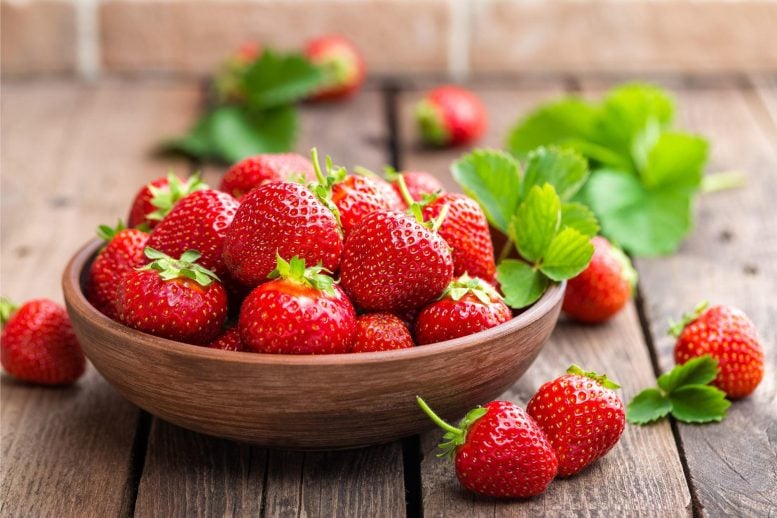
72,157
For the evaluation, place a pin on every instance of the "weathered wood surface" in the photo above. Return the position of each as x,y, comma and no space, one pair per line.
72,157
643,473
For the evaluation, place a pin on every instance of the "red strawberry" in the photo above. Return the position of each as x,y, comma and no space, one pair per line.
498,450
391,262
255,171
280,218
418,183
450,116
38,343
726,334
381,332
582,417
156,199
173,298
603,288
466,230
248,51
229,340
466,306
301,311
122,254
355,198
341,65
199,222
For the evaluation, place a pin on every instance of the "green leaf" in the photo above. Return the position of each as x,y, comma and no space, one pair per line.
644,222
536,222
568,254
236,133
493,179
699,404
697,371
565,169
676,161
649,405
275,80
196,143
579,217
521,284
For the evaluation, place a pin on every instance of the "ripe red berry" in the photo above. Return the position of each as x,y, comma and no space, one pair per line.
300,311
255,171
582,417
381,332
499,451
603,288
173,298
340,63
355,198
156,199
726,334
280,218
450,116
466,306
38,344
229,340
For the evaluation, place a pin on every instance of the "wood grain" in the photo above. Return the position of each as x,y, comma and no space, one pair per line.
643,474
71,157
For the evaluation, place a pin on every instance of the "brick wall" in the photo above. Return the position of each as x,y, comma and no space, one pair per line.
91,37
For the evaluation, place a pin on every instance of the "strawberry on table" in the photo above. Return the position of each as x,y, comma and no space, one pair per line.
38,344
156,199
450,116
341,64
381,332
300,311
727,335
229,340
281,218
603,288
198,222
255,171
582,417
468,305
173,298
498,450
123,253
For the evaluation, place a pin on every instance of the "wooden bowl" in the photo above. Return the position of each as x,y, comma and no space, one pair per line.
305,402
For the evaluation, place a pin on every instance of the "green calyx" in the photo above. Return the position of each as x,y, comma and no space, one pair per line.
316,277
431,124
415,208
454,436
337,70
7,308
484,292
183,268
165,198
675,328
107,233
326,179
601,379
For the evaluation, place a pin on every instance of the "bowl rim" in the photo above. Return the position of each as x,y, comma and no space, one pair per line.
75,298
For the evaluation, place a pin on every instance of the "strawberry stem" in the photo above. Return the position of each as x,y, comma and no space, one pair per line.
506,249
438,221
7,308
676,328
437,419
404,191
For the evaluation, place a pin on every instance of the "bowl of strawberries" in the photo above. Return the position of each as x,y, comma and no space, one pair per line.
301,308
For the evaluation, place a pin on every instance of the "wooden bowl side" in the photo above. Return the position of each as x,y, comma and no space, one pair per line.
306,402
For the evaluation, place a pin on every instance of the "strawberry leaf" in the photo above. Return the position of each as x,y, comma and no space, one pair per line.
521,284
536,222
649,405
565,169
699,404
237,133
579,217
696,371
276,80
568,254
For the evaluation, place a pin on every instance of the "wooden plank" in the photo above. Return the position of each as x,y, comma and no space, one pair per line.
71,158
643,474
729,259
766,90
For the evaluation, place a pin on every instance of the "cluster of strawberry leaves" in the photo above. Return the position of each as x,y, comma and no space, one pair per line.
644,173
263,119
534,209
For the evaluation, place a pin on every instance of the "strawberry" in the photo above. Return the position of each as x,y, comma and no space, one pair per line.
726,334
38,343
198,222
255,171
173,298
381,332
228,82
122,254
582,417
450,116
419,184
341,64
156,199
300,311
391,262
498,450
603,288
280,218
229,340
466,231
468,305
